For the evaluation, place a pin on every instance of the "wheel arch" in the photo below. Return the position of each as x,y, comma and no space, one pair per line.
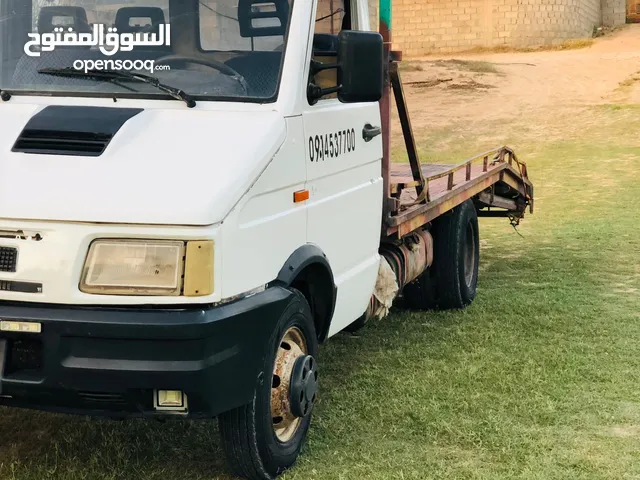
308,271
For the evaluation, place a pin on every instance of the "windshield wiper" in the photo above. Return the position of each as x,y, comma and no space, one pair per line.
113,75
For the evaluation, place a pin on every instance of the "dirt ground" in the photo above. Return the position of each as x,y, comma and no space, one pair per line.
489,88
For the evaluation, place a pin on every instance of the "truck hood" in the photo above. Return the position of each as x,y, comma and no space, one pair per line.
172,167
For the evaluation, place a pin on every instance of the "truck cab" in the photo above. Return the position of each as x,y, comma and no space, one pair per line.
195,194
152,239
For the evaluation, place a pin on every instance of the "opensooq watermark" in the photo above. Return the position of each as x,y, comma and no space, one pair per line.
107,40
148,65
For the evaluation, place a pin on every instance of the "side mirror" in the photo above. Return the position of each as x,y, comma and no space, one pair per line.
361,71
360,66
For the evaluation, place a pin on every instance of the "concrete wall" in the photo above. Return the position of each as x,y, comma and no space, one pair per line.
613,13
439,26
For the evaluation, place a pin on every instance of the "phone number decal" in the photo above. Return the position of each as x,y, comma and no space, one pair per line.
331,145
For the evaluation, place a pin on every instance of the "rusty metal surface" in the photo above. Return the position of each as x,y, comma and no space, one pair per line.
450,185
493,200
410,257
418,217
426,236
438,186
418,255
401,172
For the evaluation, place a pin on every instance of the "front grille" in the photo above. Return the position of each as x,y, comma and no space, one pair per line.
25,356
8,259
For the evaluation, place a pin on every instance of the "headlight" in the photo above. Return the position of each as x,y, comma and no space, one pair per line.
134,267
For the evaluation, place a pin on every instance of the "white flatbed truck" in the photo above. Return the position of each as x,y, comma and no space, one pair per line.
178,243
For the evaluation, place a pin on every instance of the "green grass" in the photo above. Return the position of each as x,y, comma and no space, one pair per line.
538,379
411,66
475,66
572,44
628,83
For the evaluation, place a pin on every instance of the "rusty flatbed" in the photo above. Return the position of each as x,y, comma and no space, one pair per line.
496,180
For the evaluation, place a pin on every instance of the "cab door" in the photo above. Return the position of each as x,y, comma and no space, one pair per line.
344,179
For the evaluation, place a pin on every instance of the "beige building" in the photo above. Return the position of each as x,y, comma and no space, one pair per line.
440,26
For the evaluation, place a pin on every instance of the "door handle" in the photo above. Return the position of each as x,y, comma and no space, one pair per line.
369,132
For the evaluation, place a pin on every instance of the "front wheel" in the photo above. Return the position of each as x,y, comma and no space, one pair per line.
264,438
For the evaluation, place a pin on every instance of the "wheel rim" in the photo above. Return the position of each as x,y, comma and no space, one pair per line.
291,348
469,255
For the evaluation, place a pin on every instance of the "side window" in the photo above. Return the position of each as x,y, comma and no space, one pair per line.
332,16
220,27
81,14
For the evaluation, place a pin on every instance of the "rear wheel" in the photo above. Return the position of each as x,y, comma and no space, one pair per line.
264,438
421,293
452,280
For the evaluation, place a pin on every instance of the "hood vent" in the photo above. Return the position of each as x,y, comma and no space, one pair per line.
64,130
61,143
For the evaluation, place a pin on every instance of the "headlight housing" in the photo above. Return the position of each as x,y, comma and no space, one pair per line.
134,267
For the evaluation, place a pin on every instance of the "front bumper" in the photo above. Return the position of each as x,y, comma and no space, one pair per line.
108,361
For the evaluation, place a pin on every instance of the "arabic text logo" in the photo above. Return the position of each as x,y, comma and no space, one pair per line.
109,43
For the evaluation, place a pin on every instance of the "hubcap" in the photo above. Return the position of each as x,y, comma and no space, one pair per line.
469,255
292,349
304,386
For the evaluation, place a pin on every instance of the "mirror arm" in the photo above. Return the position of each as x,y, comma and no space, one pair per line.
315,92
317,67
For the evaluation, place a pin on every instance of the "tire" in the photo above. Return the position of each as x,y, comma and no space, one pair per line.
452,280
253,447
456,257
421,293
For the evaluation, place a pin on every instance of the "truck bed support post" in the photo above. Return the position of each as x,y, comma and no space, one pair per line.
385,11
407,132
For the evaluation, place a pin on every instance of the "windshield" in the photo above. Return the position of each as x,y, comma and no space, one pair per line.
218,49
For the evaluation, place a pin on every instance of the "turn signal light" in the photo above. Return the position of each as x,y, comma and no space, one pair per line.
301,196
